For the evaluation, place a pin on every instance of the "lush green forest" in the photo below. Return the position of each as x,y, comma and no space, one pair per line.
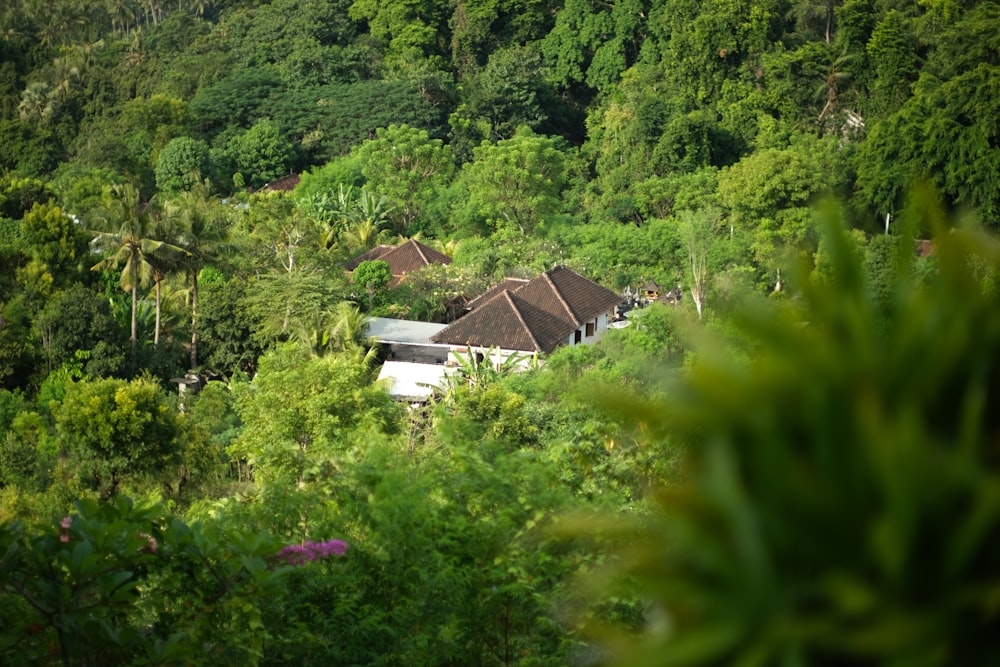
795,465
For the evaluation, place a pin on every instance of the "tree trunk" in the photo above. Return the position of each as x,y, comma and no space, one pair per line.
699,276
156,331
134,338
829,22
194,320
698,298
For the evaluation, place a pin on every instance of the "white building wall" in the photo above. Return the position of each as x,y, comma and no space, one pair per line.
496,355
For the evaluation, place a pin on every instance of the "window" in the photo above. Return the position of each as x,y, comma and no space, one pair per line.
591,326
577,336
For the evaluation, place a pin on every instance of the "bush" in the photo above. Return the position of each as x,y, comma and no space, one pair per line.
839,504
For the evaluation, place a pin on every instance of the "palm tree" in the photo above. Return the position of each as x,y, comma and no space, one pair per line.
836,77
365,235
122,14
349,327
200,6
342,329
135,51
166,259
449,247
478,370
127,228
202,235
37,102
82,57
66,74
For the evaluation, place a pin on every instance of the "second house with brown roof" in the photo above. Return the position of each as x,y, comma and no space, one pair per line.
402,259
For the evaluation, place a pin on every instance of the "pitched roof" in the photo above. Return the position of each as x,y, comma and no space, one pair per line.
375,253
651,286
285,184
411,256
569,295
511,284
404,258
535,317
509,323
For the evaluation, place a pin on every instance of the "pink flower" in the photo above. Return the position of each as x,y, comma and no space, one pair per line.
66,522
151,541
300,554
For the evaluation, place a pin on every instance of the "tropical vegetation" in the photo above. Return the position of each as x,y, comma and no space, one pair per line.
795,464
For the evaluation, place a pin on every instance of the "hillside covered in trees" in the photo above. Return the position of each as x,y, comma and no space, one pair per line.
740,478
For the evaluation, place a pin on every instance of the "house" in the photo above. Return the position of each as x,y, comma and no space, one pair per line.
559,307
509,284
286,184
402,259
651,290
515,317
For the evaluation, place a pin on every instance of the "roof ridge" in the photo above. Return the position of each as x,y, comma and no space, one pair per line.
523,281
497,292
420,250
562,300
520,318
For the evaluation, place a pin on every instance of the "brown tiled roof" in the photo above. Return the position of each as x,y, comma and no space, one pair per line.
537,316
411,256
569,295
511,284
285,184
508,322
378,252
404,258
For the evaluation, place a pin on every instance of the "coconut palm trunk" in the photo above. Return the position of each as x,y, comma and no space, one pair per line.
134,337
202,237
158,282
128,230
194,319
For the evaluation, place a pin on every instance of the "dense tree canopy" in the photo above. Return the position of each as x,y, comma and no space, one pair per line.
185,184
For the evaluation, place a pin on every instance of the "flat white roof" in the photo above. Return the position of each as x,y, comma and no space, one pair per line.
406,332
412,381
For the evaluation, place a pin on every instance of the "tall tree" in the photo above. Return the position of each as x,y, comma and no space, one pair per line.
698,230
116,429
768,195
407,167
125,227
57,249
300,410
202,235
945,127
516,183
410,29
595,42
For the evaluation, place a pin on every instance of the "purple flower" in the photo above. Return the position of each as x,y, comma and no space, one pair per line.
66,522
300,554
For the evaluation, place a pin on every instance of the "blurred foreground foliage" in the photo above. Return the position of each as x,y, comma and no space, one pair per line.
840,503
115,583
